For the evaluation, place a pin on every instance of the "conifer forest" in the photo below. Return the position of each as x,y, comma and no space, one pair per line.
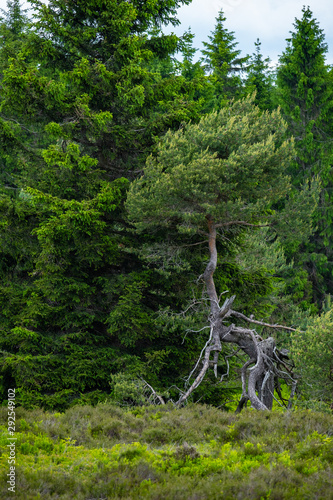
166,249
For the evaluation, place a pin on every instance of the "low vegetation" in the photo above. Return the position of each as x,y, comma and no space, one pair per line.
159,452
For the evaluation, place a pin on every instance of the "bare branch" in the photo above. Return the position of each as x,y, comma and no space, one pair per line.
194,303
240,223
198,361
226,360
278,402
281,362
194,331
278,390
292,394
243,375
226,308
194,244
199,378
267,375
262,323
160,399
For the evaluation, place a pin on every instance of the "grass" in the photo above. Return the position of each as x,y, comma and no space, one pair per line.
198,452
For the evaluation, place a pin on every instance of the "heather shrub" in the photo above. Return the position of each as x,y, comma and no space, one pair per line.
197,452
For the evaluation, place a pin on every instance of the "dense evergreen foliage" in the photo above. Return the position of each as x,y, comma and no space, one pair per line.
306,96
224,63
115,147
260,79
79,120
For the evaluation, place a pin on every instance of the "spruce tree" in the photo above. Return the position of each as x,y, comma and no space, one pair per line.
194,73
14,26
80,111
259,78
306,97
14,19
224,63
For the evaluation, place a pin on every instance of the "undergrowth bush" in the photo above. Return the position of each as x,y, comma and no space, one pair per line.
158,452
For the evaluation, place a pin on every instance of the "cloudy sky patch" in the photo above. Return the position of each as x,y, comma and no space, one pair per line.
269,20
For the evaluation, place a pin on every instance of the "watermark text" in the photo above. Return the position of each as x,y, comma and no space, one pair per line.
11,441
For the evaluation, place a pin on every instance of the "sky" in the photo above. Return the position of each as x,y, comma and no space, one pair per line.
269,20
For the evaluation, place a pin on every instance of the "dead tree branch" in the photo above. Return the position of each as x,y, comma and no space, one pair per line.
154,393
262,323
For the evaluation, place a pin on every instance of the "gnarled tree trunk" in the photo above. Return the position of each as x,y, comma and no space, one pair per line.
264,358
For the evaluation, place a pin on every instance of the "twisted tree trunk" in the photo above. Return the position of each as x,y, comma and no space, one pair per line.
262,353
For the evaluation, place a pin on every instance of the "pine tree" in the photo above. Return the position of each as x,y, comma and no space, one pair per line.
306,92
223,62
207,181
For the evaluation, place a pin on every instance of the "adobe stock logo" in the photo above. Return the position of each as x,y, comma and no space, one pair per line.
225,5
